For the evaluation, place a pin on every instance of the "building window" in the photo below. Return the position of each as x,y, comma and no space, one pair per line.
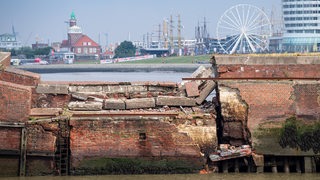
85,50
89,43
79,50
94,50
90,50
84,43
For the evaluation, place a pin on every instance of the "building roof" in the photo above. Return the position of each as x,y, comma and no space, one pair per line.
85,38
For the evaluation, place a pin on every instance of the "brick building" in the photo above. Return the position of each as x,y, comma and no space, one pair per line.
80,44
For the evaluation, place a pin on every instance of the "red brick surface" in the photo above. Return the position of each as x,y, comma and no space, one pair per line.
278,100
112,138
41,138
289,71
15,102
21,77
10,138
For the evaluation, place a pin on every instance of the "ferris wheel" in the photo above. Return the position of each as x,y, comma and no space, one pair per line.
244,29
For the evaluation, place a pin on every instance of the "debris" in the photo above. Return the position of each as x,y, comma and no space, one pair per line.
230,152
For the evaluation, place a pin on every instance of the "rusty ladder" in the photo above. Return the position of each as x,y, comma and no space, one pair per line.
62,153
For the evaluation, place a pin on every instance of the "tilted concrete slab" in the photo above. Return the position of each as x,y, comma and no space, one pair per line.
209,86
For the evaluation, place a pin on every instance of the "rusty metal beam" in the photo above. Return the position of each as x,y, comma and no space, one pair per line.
255,78
12,124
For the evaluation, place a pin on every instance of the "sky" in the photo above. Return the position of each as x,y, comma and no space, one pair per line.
121,20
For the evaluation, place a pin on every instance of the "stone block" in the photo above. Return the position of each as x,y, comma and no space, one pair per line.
192,89
52,89
85,89
85,106
79,96
175,101
115,89
116,104
208,87
137,89
140,103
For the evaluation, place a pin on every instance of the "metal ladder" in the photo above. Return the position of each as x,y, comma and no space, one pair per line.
62,153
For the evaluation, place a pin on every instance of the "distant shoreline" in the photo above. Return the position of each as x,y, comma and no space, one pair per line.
63,68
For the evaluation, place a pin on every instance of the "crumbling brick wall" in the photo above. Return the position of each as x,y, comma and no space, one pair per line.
15,102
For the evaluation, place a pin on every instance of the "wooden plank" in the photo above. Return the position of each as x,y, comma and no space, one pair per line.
23,154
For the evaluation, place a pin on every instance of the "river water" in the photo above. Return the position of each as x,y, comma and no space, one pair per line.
231,176
116,76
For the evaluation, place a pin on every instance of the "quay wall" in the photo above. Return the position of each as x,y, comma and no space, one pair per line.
154,127
270,102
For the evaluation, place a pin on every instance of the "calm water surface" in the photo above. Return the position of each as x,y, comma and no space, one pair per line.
264,176
116,76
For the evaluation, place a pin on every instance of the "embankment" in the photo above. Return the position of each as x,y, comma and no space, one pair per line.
60,68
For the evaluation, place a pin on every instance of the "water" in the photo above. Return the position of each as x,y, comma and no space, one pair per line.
116,76
231,176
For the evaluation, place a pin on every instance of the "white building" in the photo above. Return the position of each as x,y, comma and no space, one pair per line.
302,25
9,41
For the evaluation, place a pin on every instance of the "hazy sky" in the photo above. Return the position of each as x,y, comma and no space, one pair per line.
45,19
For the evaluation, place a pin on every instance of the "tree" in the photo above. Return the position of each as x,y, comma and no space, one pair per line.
125,49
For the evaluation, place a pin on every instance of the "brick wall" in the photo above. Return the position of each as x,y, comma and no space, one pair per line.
128,138
271,103
13,142
266,100
273,100
18,76
15,102
287,71
41,138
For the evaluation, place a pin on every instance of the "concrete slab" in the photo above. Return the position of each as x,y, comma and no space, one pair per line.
85,106
175,101
52,89
114,104
140,103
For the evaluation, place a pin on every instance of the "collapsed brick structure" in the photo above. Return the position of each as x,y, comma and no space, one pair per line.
91,127
137,127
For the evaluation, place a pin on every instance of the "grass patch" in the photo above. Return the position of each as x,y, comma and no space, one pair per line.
173,60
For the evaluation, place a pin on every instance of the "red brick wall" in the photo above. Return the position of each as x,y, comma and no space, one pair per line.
50,100
290,70
10,139
41,139
21,77
118,138
15,102
269,100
